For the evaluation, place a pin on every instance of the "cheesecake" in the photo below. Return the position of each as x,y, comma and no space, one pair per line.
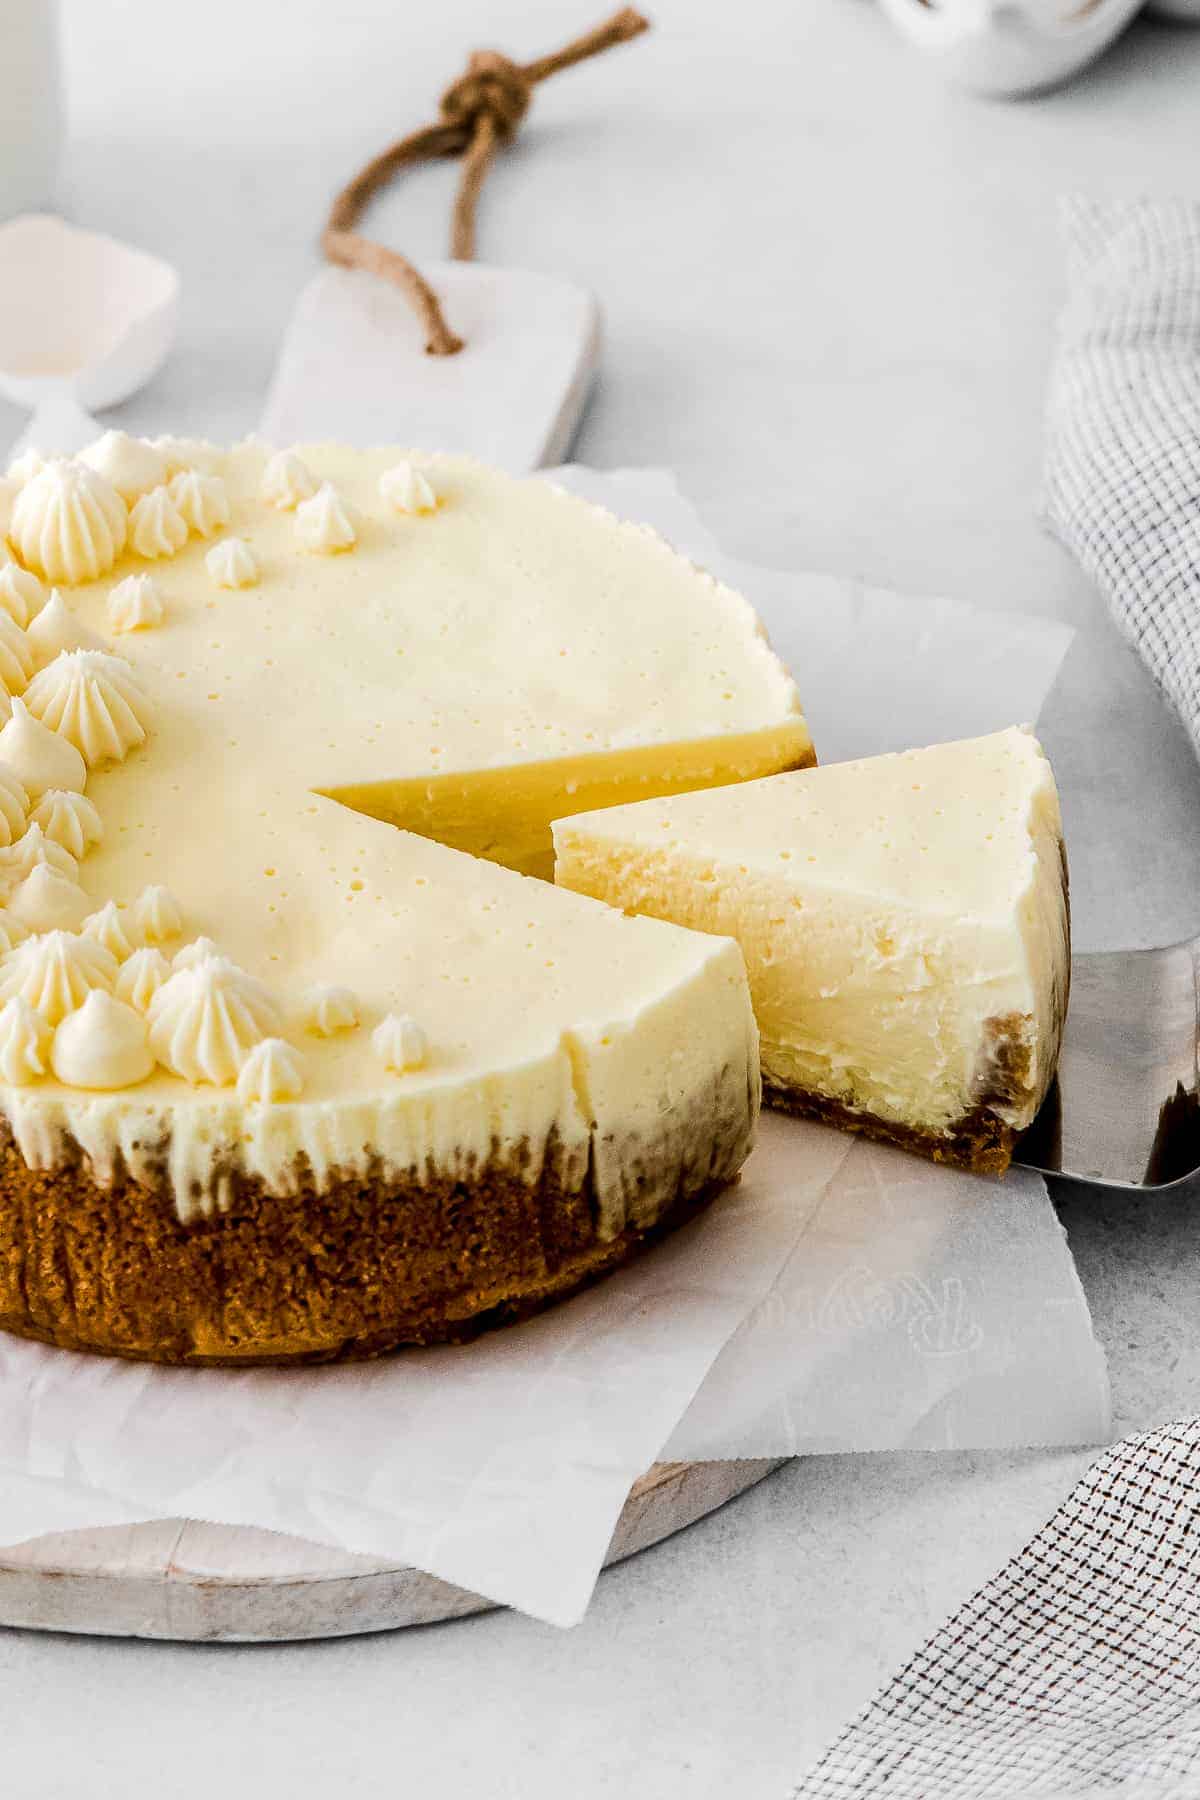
298,1059
904,921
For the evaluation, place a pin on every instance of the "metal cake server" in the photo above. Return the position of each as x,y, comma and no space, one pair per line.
1124,1111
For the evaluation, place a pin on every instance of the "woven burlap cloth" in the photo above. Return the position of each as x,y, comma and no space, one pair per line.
1122,461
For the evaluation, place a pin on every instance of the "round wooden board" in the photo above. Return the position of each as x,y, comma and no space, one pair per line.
220,1584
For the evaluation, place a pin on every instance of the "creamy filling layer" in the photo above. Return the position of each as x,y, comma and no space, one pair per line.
906,938
869,1007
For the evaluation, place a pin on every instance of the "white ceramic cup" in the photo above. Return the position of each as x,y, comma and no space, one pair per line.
84,322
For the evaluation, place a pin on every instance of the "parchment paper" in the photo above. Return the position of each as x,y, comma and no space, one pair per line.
841,1297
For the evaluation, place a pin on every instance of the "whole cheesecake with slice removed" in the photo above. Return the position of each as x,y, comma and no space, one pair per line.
296,1060
905,925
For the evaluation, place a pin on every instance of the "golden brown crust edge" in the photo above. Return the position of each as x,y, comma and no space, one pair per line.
361,1268
980,1142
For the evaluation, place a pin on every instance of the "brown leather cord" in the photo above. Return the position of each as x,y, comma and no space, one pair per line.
480,113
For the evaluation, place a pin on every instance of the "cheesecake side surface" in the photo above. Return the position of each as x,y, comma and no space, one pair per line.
905,923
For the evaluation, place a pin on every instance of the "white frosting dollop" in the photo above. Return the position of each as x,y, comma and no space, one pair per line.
141,977
102,1045
9,489
55,629
16,655
324,524
273,1071
108,928
194,953
22,595
69,819
24,1042
156,525
189,453
49,901
91,699
233,564
14,805
38,757
406,490
56,972
328,1010
286,481
135,604
69,523
202,501
23,468
207,1018
157,915
12,933
132,465
30,851
400,1043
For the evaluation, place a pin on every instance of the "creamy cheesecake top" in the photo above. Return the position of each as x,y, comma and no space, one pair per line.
949,831
210,956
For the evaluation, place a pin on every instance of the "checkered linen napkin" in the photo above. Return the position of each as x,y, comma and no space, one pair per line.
1122,475
1075,1671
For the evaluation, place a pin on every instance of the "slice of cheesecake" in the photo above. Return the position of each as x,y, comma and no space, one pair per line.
904,921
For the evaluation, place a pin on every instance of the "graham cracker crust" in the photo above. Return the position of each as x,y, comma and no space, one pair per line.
979,1142
359,1268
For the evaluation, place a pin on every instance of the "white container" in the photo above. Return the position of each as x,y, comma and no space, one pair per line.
31,111
84,322
1009,47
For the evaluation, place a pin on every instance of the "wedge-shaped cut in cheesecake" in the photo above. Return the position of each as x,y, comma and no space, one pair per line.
904,921
512,656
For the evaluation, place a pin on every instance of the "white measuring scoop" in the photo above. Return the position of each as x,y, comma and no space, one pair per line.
84,322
